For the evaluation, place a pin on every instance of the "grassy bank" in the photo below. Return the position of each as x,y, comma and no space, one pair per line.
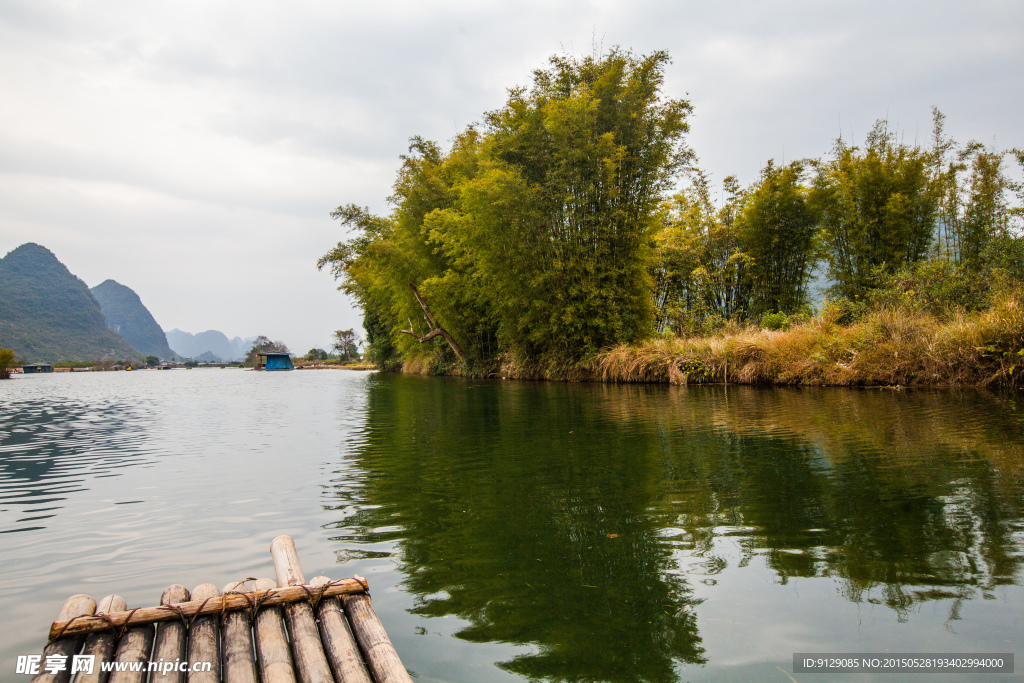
890,346
332,363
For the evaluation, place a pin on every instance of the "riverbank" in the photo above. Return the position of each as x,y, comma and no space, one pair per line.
890,346
304,364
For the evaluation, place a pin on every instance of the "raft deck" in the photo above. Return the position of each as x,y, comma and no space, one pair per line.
286,631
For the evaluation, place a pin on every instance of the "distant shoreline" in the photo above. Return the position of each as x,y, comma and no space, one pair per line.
361,368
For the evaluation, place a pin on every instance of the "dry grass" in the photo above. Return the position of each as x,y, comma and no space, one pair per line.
417,365
891,347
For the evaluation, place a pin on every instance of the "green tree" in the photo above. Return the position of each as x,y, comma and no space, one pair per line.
560,217
315,354
878,208
701,268
974,211
391,266
151,361
380,349
531,236
7,360
976,248
346,342
263,344
777,228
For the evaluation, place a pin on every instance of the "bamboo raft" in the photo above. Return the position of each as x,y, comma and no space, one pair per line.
286,631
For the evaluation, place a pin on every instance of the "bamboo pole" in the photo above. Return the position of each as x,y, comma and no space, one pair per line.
67,645
170,639
286,562
373,640
271,641
310,660
203,645
134,647
149,615
101,645
339,643
239,659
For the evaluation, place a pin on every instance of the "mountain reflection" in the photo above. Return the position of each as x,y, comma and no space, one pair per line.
569,517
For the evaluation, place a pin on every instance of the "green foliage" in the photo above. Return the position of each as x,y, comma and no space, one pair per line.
261,344
151,361
7,361
775,321
346,342
977,252
1003,258
777,228
878,217
843,311
700,268
563,214
547,232
974,215
531,236
886,208
877,208
315,354
443,361
943,287
387,255
752,255
380,350
937,286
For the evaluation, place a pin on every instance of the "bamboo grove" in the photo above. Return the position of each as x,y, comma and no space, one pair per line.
556,228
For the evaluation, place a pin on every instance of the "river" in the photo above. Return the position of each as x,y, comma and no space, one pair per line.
531,531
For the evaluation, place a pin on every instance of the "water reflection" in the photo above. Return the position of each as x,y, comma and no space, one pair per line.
49,450
905,497
532,524
578,519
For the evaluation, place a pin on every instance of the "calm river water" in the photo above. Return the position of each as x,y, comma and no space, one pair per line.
531,531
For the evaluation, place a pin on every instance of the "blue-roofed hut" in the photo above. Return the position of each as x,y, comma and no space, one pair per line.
273,360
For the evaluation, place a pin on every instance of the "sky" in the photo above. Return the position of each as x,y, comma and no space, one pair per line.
194,150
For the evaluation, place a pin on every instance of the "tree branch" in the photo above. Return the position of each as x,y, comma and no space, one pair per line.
433,328
427,337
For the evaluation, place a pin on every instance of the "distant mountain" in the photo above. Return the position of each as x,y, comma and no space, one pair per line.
242,346
213,342
127,316
48,314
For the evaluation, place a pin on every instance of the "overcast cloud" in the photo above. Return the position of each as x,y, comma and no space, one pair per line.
193,150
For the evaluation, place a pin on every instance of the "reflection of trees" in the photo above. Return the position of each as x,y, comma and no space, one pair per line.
502,495
905,497
505,499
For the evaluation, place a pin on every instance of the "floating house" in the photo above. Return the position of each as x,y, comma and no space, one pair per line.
36,368
273,360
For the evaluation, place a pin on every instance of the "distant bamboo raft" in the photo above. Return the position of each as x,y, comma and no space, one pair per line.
288,631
